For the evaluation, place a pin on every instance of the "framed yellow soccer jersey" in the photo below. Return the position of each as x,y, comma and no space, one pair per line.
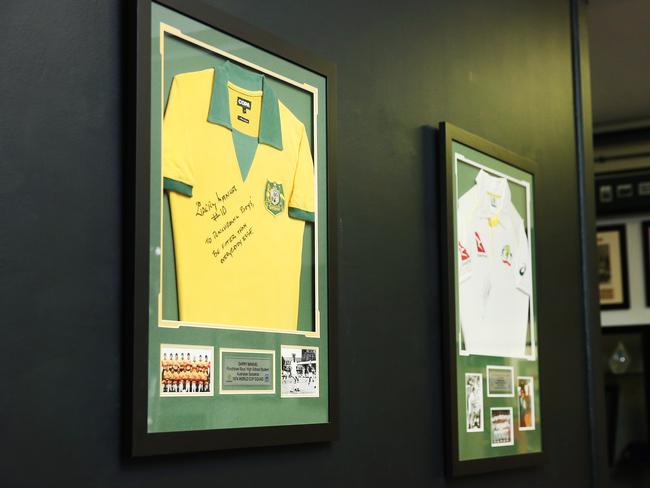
491,318
233,319
238,215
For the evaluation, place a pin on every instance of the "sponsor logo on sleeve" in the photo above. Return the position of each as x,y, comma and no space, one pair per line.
463,252
480,248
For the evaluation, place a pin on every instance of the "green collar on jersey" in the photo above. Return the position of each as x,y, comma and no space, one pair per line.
270,131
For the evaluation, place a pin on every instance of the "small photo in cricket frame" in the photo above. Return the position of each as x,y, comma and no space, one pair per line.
526,402
299,369
474,402
501,427
186,370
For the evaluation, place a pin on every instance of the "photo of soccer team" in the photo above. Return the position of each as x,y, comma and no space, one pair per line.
501,427
186,370
299,371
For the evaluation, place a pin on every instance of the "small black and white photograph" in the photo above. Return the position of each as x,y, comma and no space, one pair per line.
299,369
474,401
186,370
501,427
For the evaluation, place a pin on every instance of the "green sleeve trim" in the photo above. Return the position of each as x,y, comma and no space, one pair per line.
177,186
296,213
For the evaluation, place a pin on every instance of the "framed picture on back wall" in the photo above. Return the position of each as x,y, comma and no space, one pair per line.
645,233
494,414
612,267
232,241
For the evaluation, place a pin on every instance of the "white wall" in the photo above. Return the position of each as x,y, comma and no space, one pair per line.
638,313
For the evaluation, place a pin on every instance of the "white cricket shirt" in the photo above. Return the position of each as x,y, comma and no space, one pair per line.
494,270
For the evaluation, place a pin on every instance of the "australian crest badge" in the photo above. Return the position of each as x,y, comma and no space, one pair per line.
274,197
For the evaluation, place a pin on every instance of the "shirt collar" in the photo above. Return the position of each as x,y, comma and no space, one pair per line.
497,186
270,131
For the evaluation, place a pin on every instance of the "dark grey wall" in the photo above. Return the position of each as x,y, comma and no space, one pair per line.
501,69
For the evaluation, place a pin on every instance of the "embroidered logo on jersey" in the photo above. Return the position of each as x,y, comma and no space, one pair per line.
274,197
506,255
522,270
464,254
244,104
480,248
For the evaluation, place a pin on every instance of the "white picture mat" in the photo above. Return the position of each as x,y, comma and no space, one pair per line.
639,312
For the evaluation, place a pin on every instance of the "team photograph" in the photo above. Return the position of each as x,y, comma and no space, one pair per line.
501,426
186,370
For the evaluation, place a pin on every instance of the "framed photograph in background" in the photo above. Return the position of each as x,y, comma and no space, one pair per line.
645,232
231,238
491,316
612,267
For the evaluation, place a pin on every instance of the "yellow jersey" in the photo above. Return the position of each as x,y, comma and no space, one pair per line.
239,172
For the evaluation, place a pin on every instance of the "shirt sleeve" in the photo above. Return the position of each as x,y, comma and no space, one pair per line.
524,279
464,253
176,157
469,292
301,202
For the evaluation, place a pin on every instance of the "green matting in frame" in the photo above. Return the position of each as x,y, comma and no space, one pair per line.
208,370
491,344
172,54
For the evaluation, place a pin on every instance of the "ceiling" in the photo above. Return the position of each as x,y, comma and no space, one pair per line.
619,42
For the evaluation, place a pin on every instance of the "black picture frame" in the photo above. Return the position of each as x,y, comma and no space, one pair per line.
645,239
448,134
622,240
137,441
